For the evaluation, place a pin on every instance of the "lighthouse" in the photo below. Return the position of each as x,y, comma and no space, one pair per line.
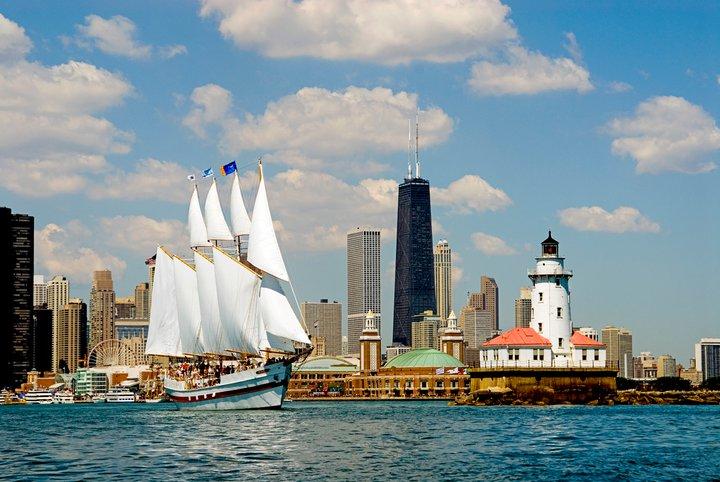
550,313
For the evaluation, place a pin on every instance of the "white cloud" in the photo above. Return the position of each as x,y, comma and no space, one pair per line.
470,193
491,245
594,218
573,47
14,44
619,87
51,137
318,122
63,250
117,36
149,179
525,72
141,234
667,134
388,32
457,270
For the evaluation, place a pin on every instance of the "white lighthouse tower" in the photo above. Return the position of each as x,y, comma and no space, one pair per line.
550,315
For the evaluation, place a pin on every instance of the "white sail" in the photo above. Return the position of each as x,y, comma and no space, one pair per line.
263,249
196,224
277,313
238,291
212,329
163,332
217,228
188,307
239,219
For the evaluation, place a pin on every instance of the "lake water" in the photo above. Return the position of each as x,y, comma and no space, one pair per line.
359,441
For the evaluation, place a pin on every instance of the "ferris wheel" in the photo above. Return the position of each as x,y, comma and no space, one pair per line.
112,352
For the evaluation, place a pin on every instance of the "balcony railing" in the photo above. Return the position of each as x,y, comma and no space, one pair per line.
550,272
542,364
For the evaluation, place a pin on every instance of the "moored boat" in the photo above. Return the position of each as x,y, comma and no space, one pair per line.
39,397
63,397
120,395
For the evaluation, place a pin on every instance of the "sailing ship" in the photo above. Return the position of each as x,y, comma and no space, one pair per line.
226,308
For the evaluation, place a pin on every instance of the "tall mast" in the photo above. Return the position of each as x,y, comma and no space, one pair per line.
417,139
409,150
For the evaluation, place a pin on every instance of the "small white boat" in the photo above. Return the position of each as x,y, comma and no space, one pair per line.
39,397
64,397
120,395
153,400
99,398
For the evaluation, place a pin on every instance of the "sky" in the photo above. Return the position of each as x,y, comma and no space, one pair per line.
596,120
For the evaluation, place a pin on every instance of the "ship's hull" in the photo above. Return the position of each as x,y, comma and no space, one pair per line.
249,389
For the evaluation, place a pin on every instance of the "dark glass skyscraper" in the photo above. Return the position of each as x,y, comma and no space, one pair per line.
414,268
16,296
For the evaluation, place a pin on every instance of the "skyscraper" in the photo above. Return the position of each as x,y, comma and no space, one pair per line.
142,301
443,279
58,293
71,319
707,358
41,339
39,290
523,308
16,295
363,282
491,301
324,321
619,349
125,307
414,270
102,308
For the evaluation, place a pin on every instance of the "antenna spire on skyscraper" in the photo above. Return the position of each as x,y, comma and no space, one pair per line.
409,151
417,142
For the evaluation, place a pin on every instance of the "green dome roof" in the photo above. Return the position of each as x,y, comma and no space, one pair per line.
327,363
424,358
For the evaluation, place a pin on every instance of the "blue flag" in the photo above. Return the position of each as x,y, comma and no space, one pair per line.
228,168
207,172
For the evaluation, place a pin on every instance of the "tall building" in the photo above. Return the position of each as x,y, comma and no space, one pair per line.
414,270
41,339
72,320
58,294
324,321
478,326
370,345
125,307
424,332
523,308
150,263
16,295
142,301
363,282
443,279
39,290
102,308
707,358
666,366
619,349
491,298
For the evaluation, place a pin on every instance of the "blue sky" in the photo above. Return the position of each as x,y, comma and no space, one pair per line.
534,116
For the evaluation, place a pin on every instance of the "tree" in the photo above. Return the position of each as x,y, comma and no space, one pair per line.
664,384
711,384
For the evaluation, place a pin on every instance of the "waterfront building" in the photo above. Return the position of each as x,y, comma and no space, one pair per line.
324,320
691,373
39,290
41,339
550,340
645,366
322,376
666,366
423,373
424,331
142,301
619,349
451,339
707,357
442,255
590,332
102,307
16,295
72,323
370,345
125,307
58,295
523,305
89,382
395,350
134,333
363,282
414,270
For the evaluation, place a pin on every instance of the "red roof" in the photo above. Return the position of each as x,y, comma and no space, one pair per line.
519,337
578,339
